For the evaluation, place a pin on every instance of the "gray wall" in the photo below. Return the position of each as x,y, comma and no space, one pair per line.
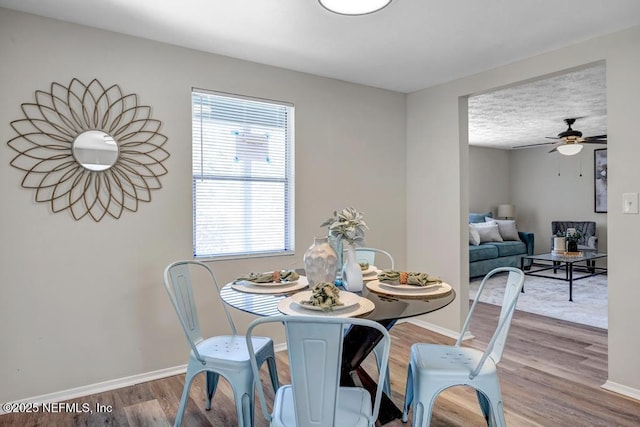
489,179
437,134
83,302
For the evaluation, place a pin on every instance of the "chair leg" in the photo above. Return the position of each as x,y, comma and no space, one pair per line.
212,384
425,398
485,406
188,379
408,395
493,396
243,393
273,373
386,387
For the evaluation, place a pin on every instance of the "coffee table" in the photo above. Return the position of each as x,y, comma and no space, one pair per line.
569,263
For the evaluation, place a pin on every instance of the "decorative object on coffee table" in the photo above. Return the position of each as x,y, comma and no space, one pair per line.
572,236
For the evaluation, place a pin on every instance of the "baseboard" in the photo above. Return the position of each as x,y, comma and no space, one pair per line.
74,393
438,329
621,389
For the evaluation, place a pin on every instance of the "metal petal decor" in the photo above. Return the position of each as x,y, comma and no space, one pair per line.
90,149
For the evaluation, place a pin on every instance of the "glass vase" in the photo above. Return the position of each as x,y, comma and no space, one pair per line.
337,245
320,262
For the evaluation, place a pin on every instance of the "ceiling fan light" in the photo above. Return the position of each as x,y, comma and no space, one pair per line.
354,7
570,149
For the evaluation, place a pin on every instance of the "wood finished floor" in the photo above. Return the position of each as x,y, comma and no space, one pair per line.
550,375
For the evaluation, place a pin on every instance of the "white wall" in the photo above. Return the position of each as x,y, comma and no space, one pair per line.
83,302
437,136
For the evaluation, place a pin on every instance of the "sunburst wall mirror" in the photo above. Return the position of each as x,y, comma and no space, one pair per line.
90,149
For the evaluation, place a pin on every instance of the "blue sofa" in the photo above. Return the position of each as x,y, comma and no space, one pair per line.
489,255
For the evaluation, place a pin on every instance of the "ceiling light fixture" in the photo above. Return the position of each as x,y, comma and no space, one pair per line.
354,7
570,149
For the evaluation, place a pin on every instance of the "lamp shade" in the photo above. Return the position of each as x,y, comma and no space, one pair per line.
354,7
570,149
506,211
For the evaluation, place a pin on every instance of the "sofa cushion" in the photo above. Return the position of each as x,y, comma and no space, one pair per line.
507,227
474,237
510,248
489,231
483,251
479,217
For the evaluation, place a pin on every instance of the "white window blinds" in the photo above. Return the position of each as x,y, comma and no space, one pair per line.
242,176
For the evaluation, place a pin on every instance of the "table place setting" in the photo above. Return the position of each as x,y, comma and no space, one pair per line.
326,299
408,285
369,272
270,282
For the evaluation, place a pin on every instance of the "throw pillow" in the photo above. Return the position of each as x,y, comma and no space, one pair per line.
489,231
479,217
507,228
474,237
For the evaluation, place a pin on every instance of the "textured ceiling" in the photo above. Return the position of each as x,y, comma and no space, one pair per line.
528,113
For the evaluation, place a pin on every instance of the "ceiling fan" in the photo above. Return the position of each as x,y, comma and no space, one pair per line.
571,140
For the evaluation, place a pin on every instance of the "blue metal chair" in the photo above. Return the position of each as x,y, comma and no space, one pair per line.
315,397
225,356
434,368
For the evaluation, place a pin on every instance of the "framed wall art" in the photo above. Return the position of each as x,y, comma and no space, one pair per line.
600,180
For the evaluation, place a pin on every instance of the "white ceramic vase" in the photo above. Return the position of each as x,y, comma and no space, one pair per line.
320,262
351,272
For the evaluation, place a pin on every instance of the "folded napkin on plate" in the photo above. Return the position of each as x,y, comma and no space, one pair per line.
281,276
407,278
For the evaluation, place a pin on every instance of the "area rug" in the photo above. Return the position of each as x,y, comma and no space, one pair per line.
550,297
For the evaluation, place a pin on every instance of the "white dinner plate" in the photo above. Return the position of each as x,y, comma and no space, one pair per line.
348,300
396,285
371,276
249,287
293,282
364,306
412,292
369,270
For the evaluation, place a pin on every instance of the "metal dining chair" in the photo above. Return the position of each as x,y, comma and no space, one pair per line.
225,356
434,368
315,397
368,255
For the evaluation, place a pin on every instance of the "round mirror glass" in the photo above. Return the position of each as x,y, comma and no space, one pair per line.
95,150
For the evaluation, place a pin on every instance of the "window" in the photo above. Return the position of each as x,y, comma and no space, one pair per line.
243,173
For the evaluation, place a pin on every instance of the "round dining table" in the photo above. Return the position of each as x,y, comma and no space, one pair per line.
358,341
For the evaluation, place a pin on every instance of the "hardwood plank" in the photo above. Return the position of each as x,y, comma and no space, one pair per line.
146,414
550,375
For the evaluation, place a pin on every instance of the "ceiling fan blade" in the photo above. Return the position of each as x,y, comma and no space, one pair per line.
534,145
598,141
552,137
553,149
596,137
